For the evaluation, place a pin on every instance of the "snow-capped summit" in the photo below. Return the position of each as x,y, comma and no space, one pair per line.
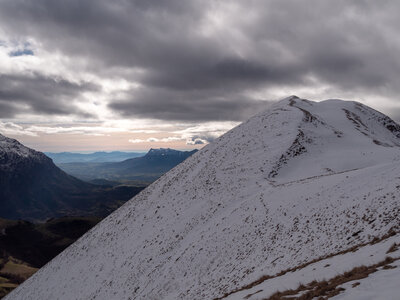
12,152
291,186
327,137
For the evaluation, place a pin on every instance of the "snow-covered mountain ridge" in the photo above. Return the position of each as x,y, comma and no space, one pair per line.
299,181
13,152
330,136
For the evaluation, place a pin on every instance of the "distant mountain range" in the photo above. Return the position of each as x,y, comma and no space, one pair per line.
32,187
70,157
144,169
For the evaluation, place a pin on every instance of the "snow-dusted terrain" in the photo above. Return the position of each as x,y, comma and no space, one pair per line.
13,152
328,268
293,184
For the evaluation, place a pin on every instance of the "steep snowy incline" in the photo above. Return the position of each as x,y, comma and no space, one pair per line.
267,196
13,152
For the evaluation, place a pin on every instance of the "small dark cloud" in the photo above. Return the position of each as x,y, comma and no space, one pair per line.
40,94
21,52
200,139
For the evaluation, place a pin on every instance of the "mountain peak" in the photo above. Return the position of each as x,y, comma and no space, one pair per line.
12,151
161,150
165,152
334,131
300,181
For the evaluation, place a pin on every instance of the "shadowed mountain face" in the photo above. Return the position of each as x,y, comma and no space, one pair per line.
155,161
32,187
146,168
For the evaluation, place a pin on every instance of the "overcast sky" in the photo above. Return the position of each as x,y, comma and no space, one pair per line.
125,75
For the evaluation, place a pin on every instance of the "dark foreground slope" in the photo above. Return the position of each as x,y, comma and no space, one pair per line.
26,246
32,187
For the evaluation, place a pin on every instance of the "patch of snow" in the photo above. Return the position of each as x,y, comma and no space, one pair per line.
381,285
323,270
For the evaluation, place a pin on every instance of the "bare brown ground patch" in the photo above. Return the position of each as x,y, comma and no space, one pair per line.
326,289
393,248
263,278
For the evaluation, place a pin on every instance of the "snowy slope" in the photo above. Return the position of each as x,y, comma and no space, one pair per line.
380,285
299,181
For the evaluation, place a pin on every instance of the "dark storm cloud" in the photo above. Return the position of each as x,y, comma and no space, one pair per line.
190,106
192,69
7,110
233,72
117,33
40,94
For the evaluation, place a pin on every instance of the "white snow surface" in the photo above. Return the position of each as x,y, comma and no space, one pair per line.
294,183
381,285
328,268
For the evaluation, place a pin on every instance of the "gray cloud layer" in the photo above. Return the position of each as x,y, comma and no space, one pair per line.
164,104
203,60
40,94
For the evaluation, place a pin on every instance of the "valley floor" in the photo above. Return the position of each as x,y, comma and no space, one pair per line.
25,247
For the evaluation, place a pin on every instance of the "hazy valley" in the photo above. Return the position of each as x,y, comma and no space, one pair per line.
135,171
